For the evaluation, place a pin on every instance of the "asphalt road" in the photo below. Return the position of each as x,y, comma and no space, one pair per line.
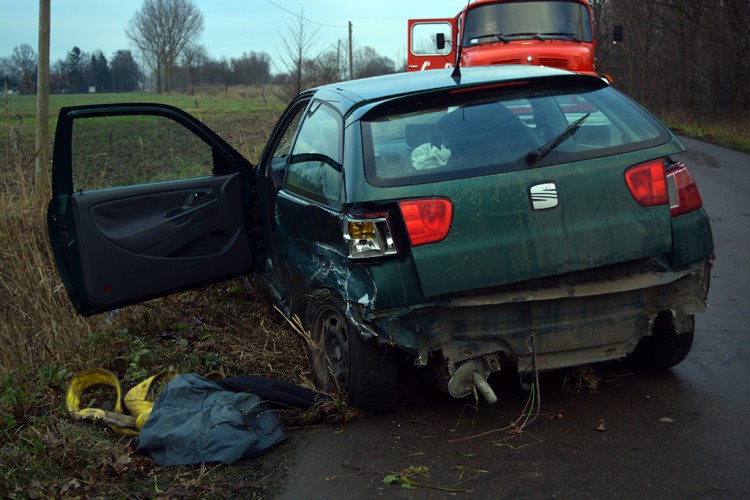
677,434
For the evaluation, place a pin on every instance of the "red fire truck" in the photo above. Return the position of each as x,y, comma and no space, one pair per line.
556,33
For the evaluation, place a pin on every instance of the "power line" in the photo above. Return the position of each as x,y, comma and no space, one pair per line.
306,19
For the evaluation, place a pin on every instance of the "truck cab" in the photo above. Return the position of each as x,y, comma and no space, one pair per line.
553,33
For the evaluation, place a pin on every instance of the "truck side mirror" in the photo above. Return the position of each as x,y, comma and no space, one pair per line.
618,33
440,41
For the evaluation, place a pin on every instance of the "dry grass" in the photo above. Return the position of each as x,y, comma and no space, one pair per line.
37,323
730,132
265,93
43,343
39,326
580,378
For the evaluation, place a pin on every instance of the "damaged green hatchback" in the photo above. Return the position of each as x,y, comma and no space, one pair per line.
514,216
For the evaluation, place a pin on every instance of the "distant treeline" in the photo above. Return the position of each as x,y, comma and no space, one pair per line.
83,72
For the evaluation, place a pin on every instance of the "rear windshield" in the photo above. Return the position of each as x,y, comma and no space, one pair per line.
470,137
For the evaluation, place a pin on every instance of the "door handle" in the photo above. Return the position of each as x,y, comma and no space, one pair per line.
195,202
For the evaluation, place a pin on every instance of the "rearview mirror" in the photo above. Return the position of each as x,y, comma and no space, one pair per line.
440,41
618,33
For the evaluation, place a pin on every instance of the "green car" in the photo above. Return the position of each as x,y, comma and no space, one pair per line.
513,217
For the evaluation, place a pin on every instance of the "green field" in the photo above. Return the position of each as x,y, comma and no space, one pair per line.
238,100
244,119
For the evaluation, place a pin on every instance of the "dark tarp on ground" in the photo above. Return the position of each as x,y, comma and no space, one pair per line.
196,420
279,394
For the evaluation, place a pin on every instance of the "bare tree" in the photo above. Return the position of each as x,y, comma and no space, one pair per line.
8,75
224,69
161,29
24,63
322,69
683,58
367,62
717,37
297,48
252,68
640,21
194,58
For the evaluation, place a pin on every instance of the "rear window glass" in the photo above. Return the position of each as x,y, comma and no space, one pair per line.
479,137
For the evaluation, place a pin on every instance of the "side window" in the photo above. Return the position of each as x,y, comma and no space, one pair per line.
127,150
424,39
283,148
314,170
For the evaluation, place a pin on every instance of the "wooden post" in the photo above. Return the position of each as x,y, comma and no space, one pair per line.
41,164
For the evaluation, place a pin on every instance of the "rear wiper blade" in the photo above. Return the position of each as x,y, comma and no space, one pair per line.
539,153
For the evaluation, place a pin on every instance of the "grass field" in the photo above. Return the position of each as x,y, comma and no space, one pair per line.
43,343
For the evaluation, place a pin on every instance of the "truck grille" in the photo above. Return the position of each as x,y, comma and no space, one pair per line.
515,60
553,62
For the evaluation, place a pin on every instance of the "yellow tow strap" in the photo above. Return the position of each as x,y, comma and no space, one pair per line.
136,400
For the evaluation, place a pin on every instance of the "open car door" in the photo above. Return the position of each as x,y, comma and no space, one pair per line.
146,201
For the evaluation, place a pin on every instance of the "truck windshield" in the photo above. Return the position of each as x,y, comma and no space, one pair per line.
519,20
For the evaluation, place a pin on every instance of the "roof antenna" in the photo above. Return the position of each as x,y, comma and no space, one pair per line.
456,75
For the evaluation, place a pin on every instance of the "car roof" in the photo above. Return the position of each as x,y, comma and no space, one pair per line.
378,88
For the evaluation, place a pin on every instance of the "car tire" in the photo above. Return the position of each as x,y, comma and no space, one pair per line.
664,348
346,364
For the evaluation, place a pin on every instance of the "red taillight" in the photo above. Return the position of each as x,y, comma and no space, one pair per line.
683,193
427,220
648,183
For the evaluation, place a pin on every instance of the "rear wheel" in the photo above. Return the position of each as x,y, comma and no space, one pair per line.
343,362
664,348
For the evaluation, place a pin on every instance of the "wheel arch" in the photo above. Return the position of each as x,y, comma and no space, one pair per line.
352,310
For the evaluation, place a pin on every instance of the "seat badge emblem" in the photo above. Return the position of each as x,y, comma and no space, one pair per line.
544,196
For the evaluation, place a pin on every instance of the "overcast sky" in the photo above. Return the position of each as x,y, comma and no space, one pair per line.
231,27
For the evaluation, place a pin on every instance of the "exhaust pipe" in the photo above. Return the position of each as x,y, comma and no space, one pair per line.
484,388
472,374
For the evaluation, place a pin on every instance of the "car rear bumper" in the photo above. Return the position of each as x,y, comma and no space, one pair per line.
575,320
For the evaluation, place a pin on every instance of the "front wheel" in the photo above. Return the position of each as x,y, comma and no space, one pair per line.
664,348
343,362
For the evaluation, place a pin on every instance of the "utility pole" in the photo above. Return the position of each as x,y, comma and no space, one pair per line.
338,60
41,163
351,57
